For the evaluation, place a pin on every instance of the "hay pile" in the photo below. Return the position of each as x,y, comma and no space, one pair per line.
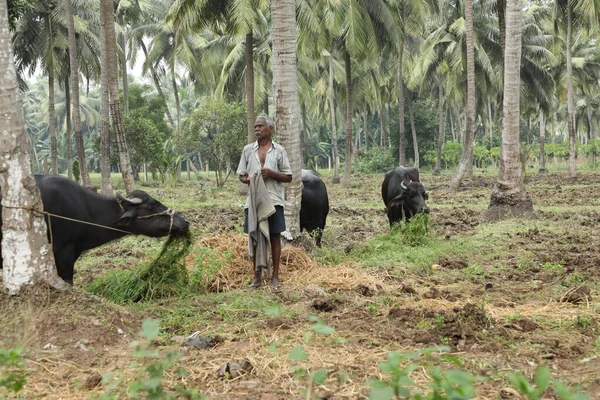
297,268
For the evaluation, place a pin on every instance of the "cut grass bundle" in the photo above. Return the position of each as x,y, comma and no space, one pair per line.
165,276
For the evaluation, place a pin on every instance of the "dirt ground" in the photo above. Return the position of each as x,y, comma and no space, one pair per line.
528,298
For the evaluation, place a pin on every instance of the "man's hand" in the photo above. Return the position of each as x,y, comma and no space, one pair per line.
245,179
266,173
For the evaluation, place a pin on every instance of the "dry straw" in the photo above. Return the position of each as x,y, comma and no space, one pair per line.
297,267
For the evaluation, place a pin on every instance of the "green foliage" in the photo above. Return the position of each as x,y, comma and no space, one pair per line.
150,368
144,140
376,159
76,171
542,383
299,355
165,276
12,378
218,130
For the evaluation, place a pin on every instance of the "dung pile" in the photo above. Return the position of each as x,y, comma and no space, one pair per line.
223,265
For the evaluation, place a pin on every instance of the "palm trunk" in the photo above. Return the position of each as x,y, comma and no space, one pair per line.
69,129
113,87
348,127
26,253
285,89
466,162
400,90
441,126
123,60
250,87
158,87
542,142
52,122
509,198
85,176
365,127
570,101
176,95
413,130
334,141
105,184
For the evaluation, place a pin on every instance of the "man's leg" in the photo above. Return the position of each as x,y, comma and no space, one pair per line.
257,282
275,255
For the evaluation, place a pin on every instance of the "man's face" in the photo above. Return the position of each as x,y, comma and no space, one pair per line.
262,129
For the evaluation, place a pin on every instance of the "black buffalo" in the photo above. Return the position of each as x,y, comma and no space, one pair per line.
315,205
138,214
403,194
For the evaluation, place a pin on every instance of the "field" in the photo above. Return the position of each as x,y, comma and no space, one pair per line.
501,299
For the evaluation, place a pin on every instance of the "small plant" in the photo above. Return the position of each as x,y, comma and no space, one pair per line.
413,233
475,271
76,171
150,369
553,268
542,383
574,279
12,378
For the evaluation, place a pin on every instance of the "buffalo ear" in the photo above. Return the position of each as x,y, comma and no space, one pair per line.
130,200
124,219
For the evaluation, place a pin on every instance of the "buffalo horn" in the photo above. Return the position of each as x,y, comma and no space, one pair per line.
403,186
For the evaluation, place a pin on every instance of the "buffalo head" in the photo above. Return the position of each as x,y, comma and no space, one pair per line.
144,215
408,203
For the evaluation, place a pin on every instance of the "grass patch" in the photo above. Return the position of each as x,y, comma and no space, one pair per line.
165,276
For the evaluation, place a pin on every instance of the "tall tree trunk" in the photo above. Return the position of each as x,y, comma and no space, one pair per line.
106,183
365,127
106,6
570,101
285,91
592,128
69,132
26,253
305,141
176,95
334,140
441,130
85,176
400,90
158,87
348,127
250,87
52,122
413,130
123,60
466,161
542,139
509,197
490,122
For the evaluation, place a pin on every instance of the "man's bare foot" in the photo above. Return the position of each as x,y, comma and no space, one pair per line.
257,282
275,283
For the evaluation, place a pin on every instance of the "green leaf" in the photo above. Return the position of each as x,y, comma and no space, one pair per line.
322,329
319,376
150,328
380,390
542,380
298,354
273,347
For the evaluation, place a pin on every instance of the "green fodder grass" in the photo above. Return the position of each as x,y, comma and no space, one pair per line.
165,276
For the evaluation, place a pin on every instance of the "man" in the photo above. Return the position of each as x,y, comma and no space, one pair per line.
270,160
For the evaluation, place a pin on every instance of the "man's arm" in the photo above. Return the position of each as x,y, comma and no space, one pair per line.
278,176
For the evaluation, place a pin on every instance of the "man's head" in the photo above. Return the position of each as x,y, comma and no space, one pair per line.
263,127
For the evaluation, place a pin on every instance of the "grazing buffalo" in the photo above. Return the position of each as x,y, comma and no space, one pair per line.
403,194
95,219
315,205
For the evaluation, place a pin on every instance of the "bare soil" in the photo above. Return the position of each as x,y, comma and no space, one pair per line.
531,301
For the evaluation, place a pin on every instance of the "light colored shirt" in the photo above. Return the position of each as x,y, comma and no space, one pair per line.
276,160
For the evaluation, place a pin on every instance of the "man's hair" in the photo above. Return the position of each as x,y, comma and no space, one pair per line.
267,119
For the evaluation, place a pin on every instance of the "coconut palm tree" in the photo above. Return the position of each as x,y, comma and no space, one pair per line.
27,255
108,22
509,197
